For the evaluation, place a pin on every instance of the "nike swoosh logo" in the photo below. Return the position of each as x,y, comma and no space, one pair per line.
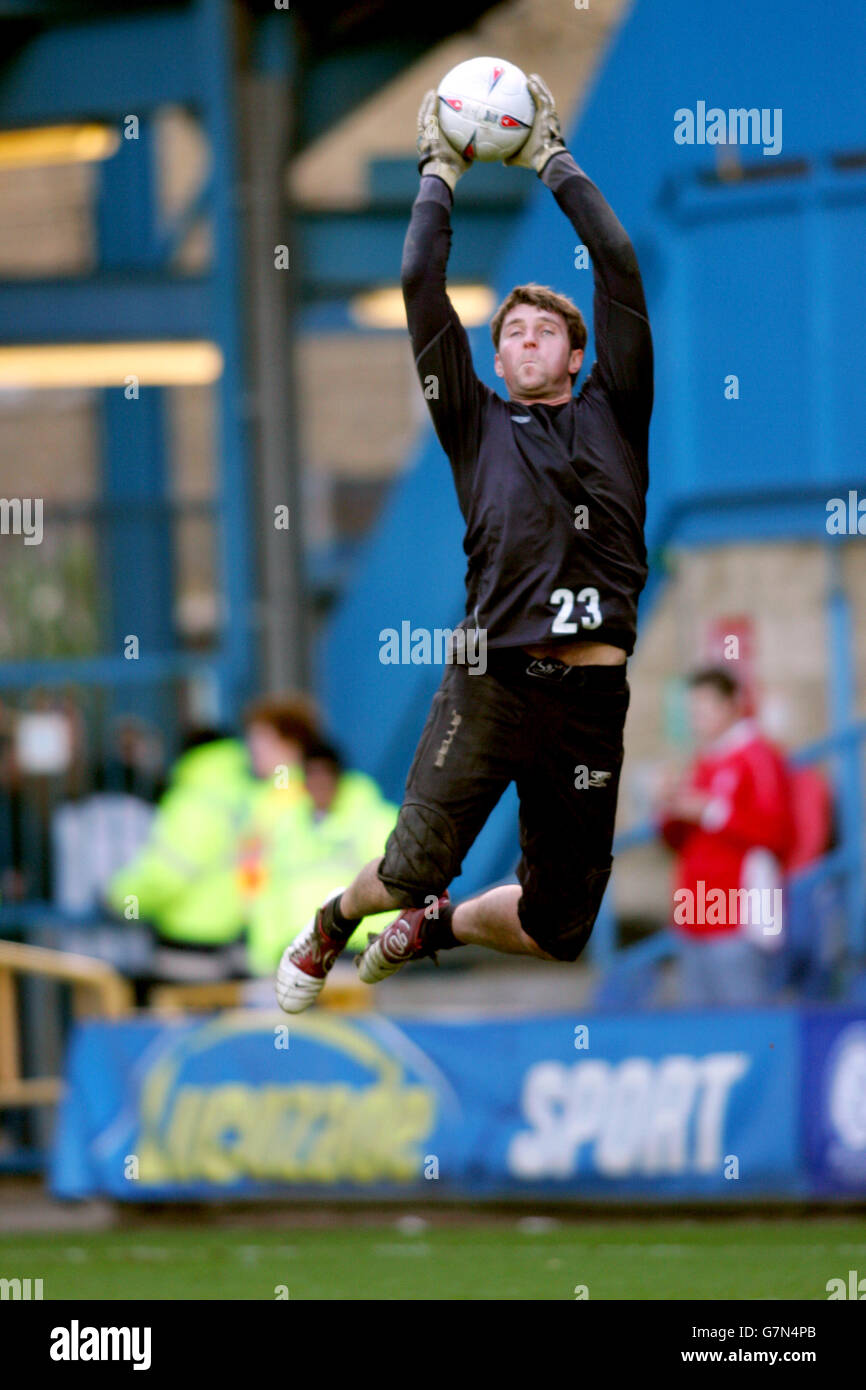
521,419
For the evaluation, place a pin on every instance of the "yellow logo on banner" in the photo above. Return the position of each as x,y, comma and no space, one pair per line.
288,1132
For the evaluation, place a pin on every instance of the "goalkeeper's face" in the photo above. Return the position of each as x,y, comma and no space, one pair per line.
534,355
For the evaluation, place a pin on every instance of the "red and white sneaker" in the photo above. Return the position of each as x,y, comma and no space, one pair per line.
403,940
304,966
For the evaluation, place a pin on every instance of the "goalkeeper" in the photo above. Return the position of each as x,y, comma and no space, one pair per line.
552,489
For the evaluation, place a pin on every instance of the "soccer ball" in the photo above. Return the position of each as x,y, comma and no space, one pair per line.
485,108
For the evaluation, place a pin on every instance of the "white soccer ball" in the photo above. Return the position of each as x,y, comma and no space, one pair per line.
485,108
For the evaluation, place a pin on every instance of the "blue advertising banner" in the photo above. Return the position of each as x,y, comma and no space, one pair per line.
834,1101
252,1103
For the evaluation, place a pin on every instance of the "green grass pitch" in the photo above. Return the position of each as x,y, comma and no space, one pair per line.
659,1258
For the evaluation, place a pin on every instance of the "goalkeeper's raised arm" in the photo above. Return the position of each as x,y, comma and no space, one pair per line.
441,349
623,343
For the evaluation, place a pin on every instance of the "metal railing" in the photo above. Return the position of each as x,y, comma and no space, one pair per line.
96,988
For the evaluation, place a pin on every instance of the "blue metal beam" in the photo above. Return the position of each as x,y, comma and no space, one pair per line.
847,767
126,204
393,182
98,308
106,671
213,47
102,69
825,179
136,550
136,547
341,253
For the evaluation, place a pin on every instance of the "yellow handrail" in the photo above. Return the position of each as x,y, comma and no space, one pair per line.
90,979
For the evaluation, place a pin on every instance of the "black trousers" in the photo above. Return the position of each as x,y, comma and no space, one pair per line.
557,732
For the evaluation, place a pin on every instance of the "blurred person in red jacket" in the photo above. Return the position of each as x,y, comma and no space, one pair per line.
730,821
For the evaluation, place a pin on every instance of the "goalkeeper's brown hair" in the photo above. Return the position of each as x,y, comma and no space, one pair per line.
543,297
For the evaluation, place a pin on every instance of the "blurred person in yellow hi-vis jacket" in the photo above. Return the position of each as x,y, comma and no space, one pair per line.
183,880
335,828
278,731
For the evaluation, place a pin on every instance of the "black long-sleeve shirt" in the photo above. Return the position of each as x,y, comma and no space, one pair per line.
522,471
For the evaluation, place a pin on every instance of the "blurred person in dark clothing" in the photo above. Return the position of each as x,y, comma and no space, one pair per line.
134,761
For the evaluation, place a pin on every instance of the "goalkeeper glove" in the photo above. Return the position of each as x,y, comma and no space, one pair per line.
545,137
437,155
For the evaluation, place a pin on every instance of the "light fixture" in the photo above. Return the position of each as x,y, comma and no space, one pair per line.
55,366
384,308
57,144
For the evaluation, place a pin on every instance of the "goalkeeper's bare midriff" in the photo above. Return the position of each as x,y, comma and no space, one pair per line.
580,653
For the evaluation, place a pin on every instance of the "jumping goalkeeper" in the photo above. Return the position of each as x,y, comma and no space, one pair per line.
552,490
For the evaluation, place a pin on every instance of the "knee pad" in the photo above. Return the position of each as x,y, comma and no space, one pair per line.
562,928
421,853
